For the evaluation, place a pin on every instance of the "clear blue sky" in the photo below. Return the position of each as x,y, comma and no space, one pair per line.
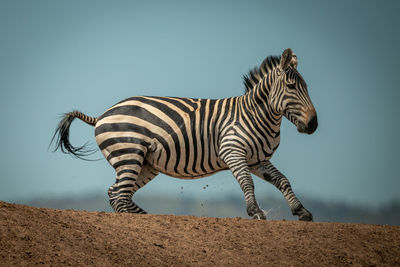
56,56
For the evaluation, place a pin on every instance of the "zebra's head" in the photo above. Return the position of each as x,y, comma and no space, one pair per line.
289,95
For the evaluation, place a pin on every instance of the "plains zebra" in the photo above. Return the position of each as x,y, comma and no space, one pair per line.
192,138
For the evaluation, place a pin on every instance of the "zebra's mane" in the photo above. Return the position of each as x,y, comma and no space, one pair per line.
257,73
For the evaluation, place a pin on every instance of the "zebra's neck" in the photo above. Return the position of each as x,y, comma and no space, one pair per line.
256,106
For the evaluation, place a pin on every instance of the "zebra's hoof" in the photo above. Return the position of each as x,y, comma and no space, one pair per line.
305,215
259,216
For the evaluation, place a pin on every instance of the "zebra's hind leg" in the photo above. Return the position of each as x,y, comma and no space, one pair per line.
121,192
269,173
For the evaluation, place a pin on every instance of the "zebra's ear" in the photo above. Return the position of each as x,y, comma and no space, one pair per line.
286,58
294,61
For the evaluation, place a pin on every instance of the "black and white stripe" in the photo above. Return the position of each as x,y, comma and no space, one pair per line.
192,138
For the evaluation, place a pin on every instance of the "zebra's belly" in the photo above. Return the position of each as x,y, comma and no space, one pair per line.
189,166
193,176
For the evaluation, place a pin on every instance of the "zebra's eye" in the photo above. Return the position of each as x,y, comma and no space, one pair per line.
291,85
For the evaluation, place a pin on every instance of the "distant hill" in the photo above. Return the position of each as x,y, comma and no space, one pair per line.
232,206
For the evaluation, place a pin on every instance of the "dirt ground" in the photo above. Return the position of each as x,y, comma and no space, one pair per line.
32,236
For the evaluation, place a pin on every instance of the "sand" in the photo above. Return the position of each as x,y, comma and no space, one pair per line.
37,236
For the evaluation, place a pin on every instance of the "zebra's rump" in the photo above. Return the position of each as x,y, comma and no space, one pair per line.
173,135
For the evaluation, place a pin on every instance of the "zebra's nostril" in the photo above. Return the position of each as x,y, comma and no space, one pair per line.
312,124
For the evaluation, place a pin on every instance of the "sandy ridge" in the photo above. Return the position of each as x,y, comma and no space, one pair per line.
34,236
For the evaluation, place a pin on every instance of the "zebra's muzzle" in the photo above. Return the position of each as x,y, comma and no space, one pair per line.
310,127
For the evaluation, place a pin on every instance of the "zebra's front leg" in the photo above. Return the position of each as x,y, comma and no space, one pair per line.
266,171
237,163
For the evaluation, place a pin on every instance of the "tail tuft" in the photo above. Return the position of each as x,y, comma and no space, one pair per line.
61,136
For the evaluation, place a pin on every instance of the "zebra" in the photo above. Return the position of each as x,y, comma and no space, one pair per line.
188,138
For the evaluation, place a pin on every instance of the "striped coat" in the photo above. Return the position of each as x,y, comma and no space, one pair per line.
192,138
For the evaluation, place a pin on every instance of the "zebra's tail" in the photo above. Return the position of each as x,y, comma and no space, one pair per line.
61,135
